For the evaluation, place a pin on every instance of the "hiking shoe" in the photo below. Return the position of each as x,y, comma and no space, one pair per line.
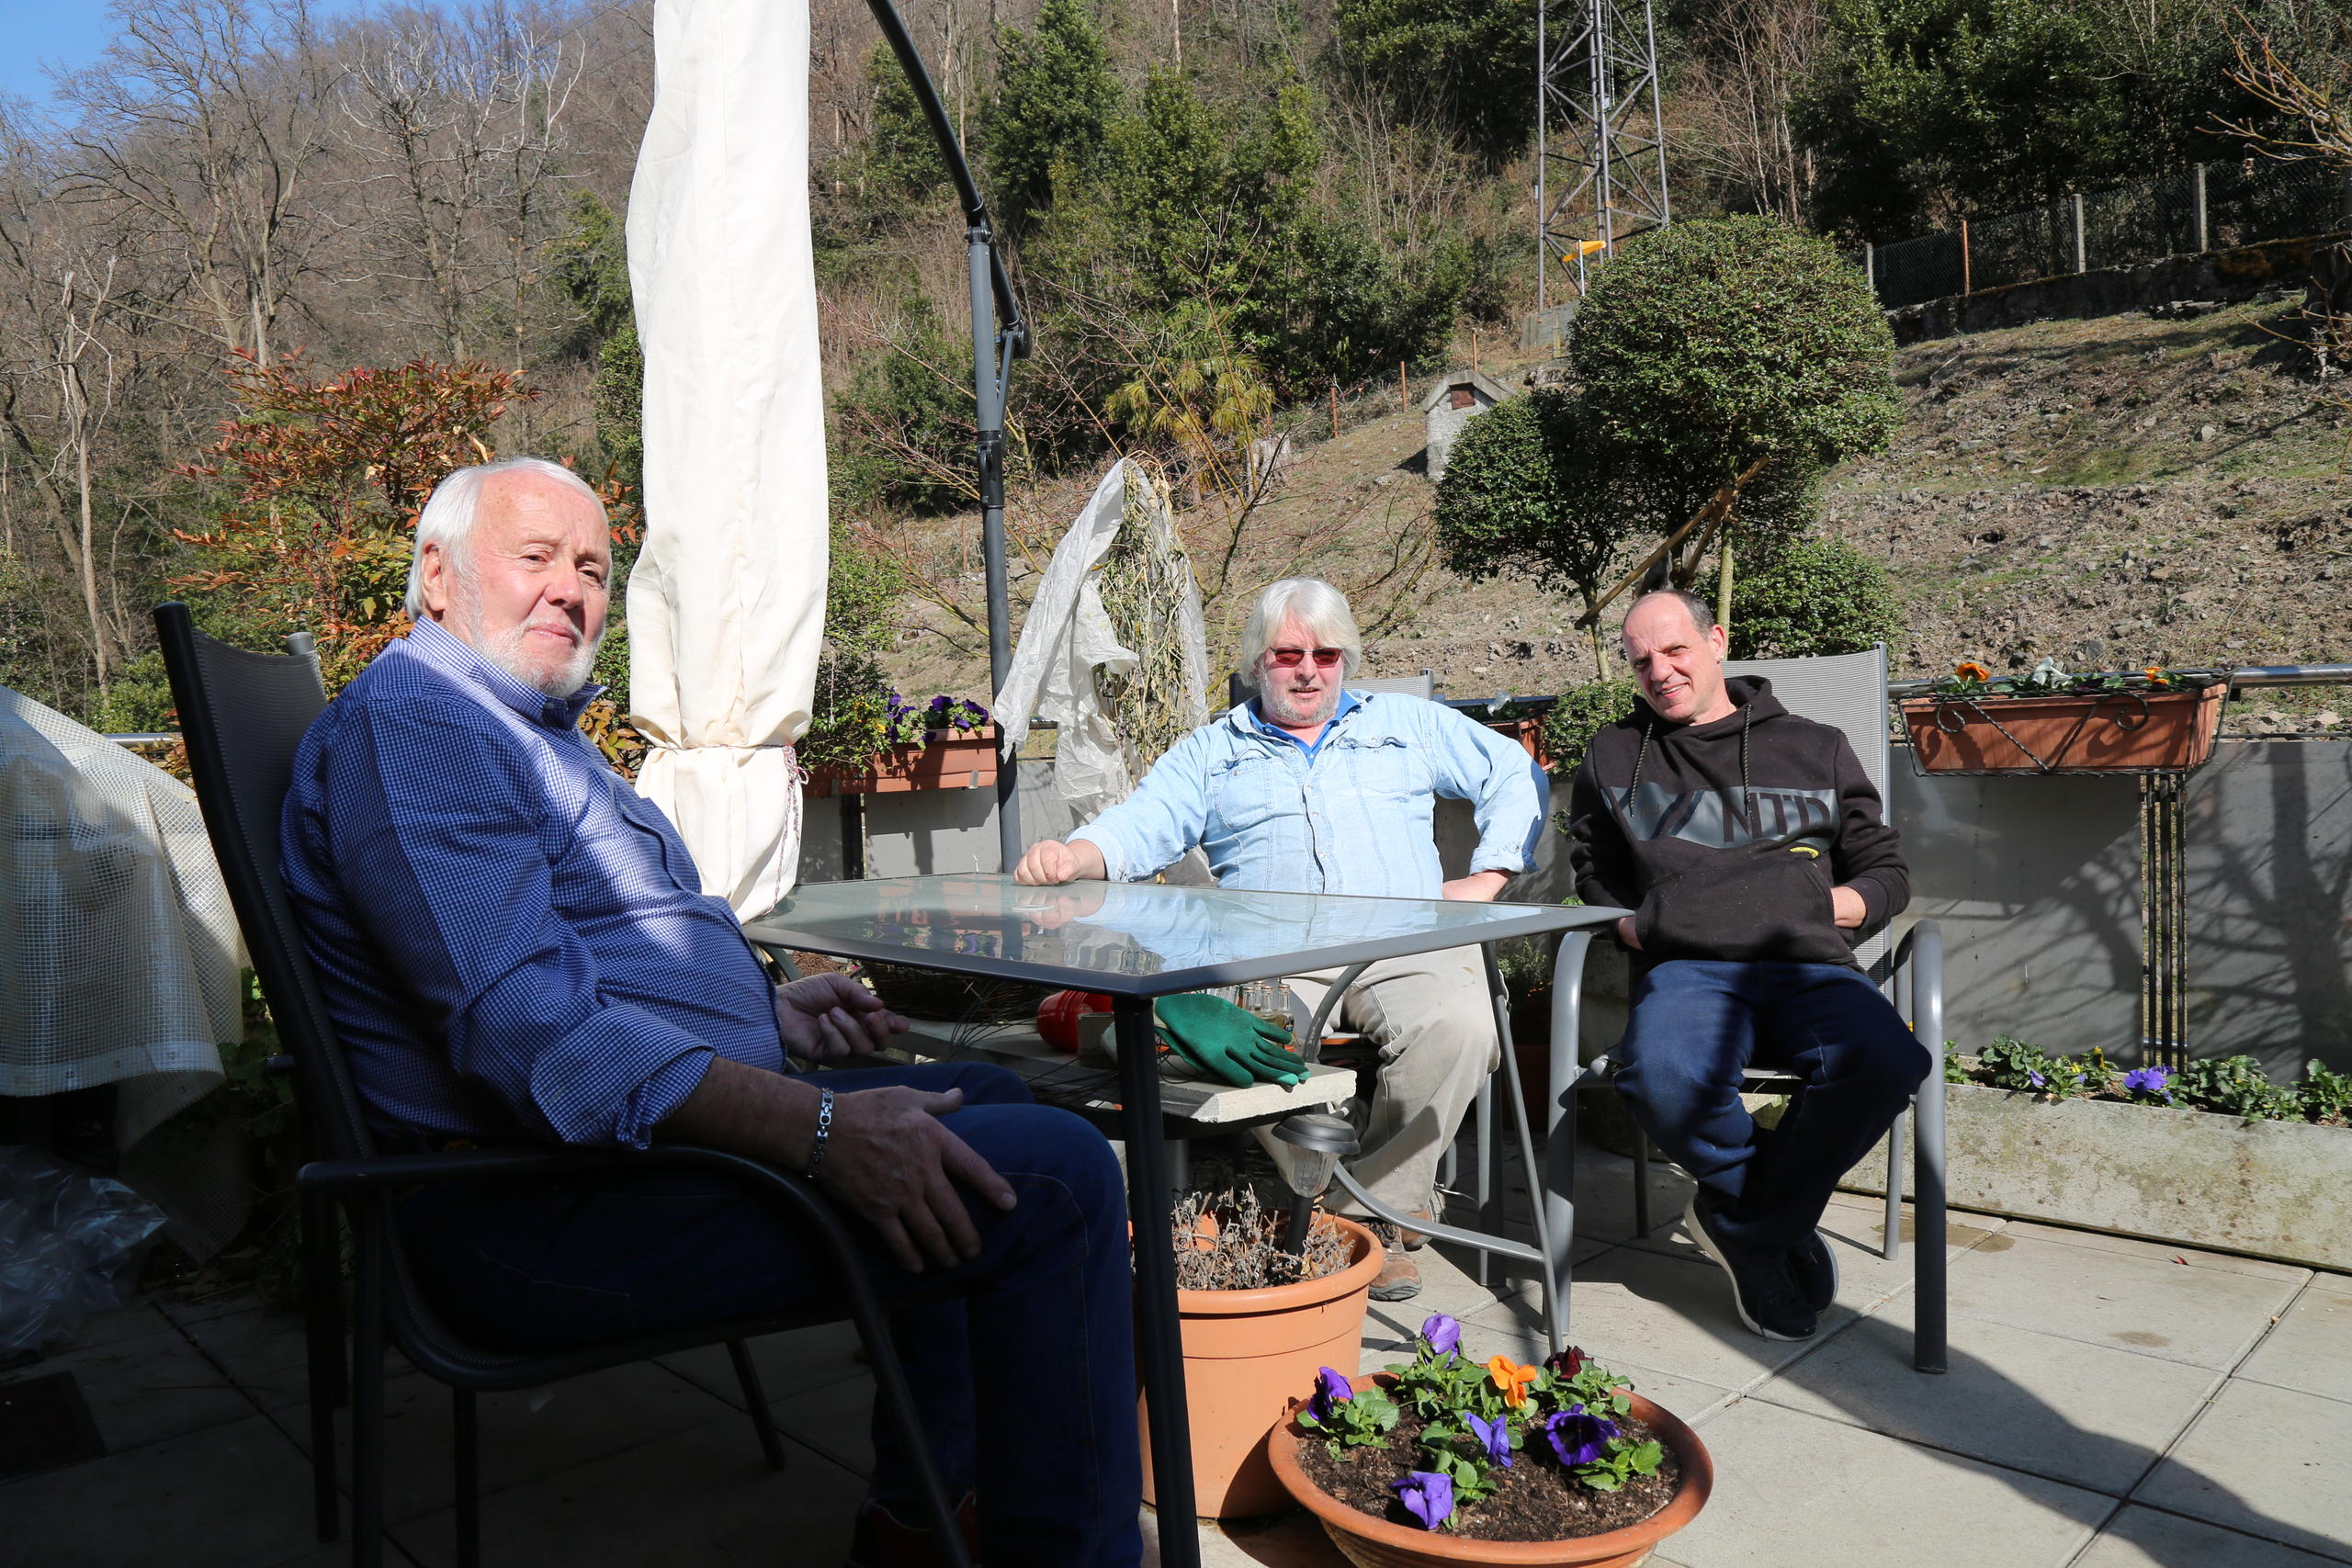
1399,1279
1414,1240
880,1539
1761,1287
1812,1267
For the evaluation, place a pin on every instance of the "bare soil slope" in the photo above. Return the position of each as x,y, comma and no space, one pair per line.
2116,493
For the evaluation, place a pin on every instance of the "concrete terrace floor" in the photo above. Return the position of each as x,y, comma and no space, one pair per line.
2112,1404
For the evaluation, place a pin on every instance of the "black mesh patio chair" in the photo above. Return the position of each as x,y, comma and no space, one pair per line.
242,715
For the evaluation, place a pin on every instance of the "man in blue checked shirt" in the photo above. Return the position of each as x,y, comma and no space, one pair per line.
1309,788
516,947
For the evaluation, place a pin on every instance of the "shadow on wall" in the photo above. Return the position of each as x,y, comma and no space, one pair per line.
2269,880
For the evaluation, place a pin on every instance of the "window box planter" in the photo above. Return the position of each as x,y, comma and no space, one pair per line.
2271,1189
2133,731
952,758
1529,733
1372,1542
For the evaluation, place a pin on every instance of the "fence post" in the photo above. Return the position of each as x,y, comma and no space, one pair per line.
1965,287
2204,242
1870,266
2082,253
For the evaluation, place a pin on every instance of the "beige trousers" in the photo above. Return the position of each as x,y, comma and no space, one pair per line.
1430,1016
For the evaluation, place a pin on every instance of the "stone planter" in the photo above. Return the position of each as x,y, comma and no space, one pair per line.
2280,1190
2106,732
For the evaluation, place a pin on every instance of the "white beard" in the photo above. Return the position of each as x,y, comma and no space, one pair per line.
505,653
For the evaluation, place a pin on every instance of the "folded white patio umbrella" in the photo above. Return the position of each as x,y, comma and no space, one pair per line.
725,607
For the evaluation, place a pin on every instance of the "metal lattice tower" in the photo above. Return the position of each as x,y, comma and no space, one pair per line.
1600,175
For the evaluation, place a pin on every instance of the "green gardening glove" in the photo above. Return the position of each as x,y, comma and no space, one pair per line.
1222,1039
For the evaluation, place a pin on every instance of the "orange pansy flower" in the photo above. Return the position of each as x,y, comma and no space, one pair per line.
1512,1379
1972,670
2156,676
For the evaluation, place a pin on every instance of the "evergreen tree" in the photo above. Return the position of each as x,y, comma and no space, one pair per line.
1054,103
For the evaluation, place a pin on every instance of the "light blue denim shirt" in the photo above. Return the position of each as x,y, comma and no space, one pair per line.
1352,816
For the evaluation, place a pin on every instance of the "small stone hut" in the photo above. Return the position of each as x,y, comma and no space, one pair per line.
1461,396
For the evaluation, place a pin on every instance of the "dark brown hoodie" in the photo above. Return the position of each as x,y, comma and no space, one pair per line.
1727,840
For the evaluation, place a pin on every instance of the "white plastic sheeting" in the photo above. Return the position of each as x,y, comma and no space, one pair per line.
726,605
1068,641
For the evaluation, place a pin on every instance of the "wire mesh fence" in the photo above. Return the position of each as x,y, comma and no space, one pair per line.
2208,207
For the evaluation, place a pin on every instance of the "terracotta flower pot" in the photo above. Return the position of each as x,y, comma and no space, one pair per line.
2094,732
1246,1353
1375,1544
951,759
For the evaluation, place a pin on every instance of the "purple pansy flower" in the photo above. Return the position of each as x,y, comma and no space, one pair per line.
1428,1496
1494,1436
1578,1436
1443,1333
2037,1080
2154,1082
1331,1391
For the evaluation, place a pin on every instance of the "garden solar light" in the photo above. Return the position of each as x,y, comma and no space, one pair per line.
1304,1149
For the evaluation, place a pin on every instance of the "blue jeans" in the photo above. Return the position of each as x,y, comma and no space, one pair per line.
1698,1023
1026,1381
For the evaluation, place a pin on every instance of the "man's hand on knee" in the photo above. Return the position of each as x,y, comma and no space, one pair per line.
1051,862
891,1161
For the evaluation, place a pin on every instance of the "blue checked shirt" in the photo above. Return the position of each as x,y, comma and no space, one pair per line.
1350,815
513,943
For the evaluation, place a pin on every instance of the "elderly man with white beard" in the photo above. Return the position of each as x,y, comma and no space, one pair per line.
1309,788
517,948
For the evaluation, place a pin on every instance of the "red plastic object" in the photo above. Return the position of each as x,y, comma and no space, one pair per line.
1058,1014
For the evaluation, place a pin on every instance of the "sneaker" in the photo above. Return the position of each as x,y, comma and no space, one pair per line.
1399,1279
1814,1267
1761,1287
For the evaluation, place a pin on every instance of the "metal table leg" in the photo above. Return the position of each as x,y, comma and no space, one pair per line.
1159,1342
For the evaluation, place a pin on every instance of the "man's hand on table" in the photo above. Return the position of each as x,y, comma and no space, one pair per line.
1051,862
828,1017
1478,887
895,1165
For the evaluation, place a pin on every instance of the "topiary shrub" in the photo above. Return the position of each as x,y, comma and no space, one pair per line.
1809,598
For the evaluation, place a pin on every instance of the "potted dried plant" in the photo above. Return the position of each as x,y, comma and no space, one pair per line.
1257,1321
2051,722
1444,1460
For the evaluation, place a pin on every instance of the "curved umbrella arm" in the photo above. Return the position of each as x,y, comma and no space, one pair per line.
1015,330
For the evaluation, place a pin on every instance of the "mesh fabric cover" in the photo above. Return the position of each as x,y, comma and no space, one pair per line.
119,951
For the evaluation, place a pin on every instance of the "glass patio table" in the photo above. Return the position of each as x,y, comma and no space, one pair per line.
1135,942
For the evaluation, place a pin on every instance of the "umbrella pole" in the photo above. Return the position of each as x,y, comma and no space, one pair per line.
988,388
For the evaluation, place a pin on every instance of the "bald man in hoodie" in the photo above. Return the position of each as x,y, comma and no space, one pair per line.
1753,850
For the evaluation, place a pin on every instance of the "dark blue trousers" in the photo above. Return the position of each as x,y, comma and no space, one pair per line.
1698,1024
1026,1381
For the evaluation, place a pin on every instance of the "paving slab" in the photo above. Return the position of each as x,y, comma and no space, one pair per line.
2273,1463
134,1322
2311,1348
2084,1414
700,1497
836,1419
1796,1491
2143,1538
2209,1317
1673,1315
523,1436
2134,1246
147,1389
1286,1540
263,1353
1856,1230
230,1496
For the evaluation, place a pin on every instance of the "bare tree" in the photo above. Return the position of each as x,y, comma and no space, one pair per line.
1747,58
204,119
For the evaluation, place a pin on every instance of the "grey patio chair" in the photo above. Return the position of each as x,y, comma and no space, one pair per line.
243,715
1847,690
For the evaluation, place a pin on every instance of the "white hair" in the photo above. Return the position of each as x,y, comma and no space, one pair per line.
448,519
1319,607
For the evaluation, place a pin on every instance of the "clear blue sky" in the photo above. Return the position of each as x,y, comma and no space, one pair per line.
34,33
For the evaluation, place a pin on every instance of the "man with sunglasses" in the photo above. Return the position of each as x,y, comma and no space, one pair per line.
1309,788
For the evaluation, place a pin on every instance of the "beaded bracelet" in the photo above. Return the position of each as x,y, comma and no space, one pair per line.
824,1129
